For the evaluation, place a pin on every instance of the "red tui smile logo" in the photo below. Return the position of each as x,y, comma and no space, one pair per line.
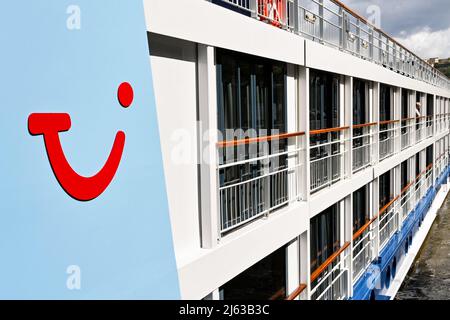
80,188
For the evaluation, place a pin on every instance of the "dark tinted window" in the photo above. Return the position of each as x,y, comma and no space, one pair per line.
266,280
360,208
324,100
324,236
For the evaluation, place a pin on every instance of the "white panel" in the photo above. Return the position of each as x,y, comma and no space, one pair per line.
206,23
174,81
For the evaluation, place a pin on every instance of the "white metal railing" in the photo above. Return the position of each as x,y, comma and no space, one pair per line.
363,249
388,222
327,152
333,24
331,280
414,191
407,127
363,145
441,164
420,129
255,185
440,123
380,229
387,138
429,126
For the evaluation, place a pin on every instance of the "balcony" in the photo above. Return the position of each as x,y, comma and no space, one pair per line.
363,145
407,127
414,191
387,138
388,221
420,128
440,164
254,184
331,280
327,152
429,124
363,249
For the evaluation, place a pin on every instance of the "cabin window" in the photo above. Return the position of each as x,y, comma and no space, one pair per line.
404,174
252,93
385,102
385,189
429,155
360,208
430,105
324,100
405,104
360,102
325,236
418,170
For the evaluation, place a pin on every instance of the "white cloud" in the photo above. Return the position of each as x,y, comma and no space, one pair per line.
427,43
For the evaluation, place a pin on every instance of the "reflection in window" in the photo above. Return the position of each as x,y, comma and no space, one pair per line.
324,100
325,238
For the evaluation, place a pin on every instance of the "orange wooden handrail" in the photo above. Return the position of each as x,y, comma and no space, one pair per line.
358,126
364,228
408,119
233,143
277,294
388,122
316,132
297,292
329,261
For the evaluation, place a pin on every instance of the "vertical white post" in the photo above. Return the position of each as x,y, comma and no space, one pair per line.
397,192
398,116
376,118
371,215
423,165
376,210
207,95
305,262
348,233
412,98
292,126
343,134
348,121
303,120
292,266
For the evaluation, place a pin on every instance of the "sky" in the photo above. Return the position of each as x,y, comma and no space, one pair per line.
421,26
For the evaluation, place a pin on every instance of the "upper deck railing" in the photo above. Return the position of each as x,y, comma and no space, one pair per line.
332,23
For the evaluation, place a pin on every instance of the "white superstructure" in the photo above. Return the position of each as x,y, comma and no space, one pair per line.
351,132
